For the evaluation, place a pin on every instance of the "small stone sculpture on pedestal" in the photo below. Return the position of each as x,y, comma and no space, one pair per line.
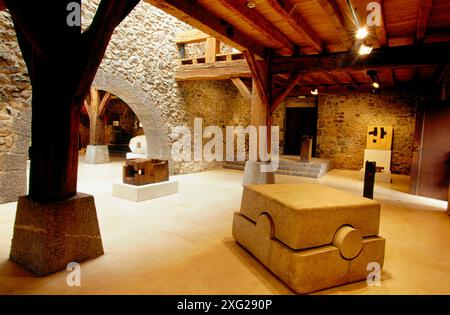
140,172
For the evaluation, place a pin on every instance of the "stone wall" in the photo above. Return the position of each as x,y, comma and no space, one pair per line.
15,120
139,68
343,122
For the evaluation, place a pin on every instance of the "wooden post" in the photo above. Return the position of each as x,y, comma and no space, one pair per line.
212,48
62,63
95,109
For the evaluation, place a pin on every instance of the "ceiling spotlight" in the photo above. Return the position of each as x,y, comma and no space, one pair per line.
376,85
314,91
365,50
251,4
362,33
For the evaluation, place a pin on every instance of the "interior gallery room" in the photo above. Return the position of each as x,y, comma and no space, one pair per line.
225,147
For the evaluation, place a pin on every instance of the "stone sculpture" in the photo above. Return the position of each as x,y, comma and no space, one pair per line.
310,236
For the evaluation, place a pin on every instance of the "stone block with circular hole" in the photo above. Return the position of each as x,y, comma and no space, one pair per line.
311,236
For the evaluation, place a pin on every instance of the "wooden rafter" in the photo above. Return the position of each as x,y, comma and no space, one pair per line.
194,14
260,72
291,83
423,18
390,57
337,20
286,11
381,30
104,103
350,77
251,17
242,88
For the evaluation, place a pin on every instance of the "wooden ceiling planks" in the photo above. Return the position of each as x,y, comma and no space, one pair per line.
305,27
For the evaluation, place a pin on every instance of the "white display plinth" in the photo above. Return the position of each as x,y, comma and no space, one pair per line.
383,159
145,192
96,154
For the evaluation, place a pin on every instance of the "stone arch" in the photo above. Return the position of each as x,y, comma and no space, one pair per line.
149,115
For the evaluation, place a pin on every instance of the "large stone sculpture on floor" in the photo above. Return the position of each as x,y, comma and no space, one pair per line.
312,237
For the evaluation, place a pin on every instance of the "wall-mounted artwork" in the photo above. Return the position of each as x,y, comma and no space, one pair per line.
379,138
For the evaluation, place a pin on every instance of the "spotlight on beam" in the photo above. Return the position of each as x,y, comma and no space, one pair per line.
373,74
376,85
365,50
362,33
251,4
315,91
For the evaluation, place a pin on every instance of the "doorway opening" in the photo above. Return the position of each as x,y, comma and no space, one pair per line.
301,121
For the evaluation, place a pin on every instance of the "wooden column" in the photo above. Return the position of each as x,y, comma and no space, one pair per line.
212,49
96,109
62,63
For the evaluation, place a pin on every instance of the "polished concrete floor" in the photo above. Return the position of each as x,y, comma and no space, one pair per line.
182,244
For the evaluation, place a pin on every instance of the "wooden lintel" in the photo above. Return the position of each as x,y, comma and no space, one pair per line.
292,82
220,70
242,88
391,57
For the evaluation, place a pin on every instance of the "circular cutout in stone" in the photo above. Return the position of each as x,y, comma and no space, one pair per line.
349,241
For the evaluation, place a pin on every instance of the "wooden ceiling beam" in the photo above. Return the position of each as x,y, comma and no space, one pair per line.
242,88
213,71
259,23
423,19
392,57
381,30
286,11
292,82
195,15
336,18
260,72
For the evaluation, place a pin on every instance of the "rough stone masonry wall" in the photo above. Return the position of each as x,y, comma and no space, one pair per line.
343,122
15,114
143,52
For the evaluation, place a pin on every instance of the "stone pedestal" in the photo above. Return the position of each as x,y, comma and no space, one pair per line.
254,176
145,192
49,236
97,154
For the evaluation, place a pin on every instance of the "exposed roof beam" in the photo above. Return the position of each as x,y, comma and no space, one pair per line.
381,30
423,18
292,82
350,77
256,21
286,11
337,20
393,57
213,71
242,88
260,72
195,15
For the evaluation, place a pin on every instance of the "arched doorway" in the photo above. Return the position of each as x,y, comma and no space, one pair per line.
155,130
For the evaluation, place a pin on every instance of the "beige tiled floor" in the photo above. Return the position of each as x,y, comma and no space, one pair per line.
182,244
